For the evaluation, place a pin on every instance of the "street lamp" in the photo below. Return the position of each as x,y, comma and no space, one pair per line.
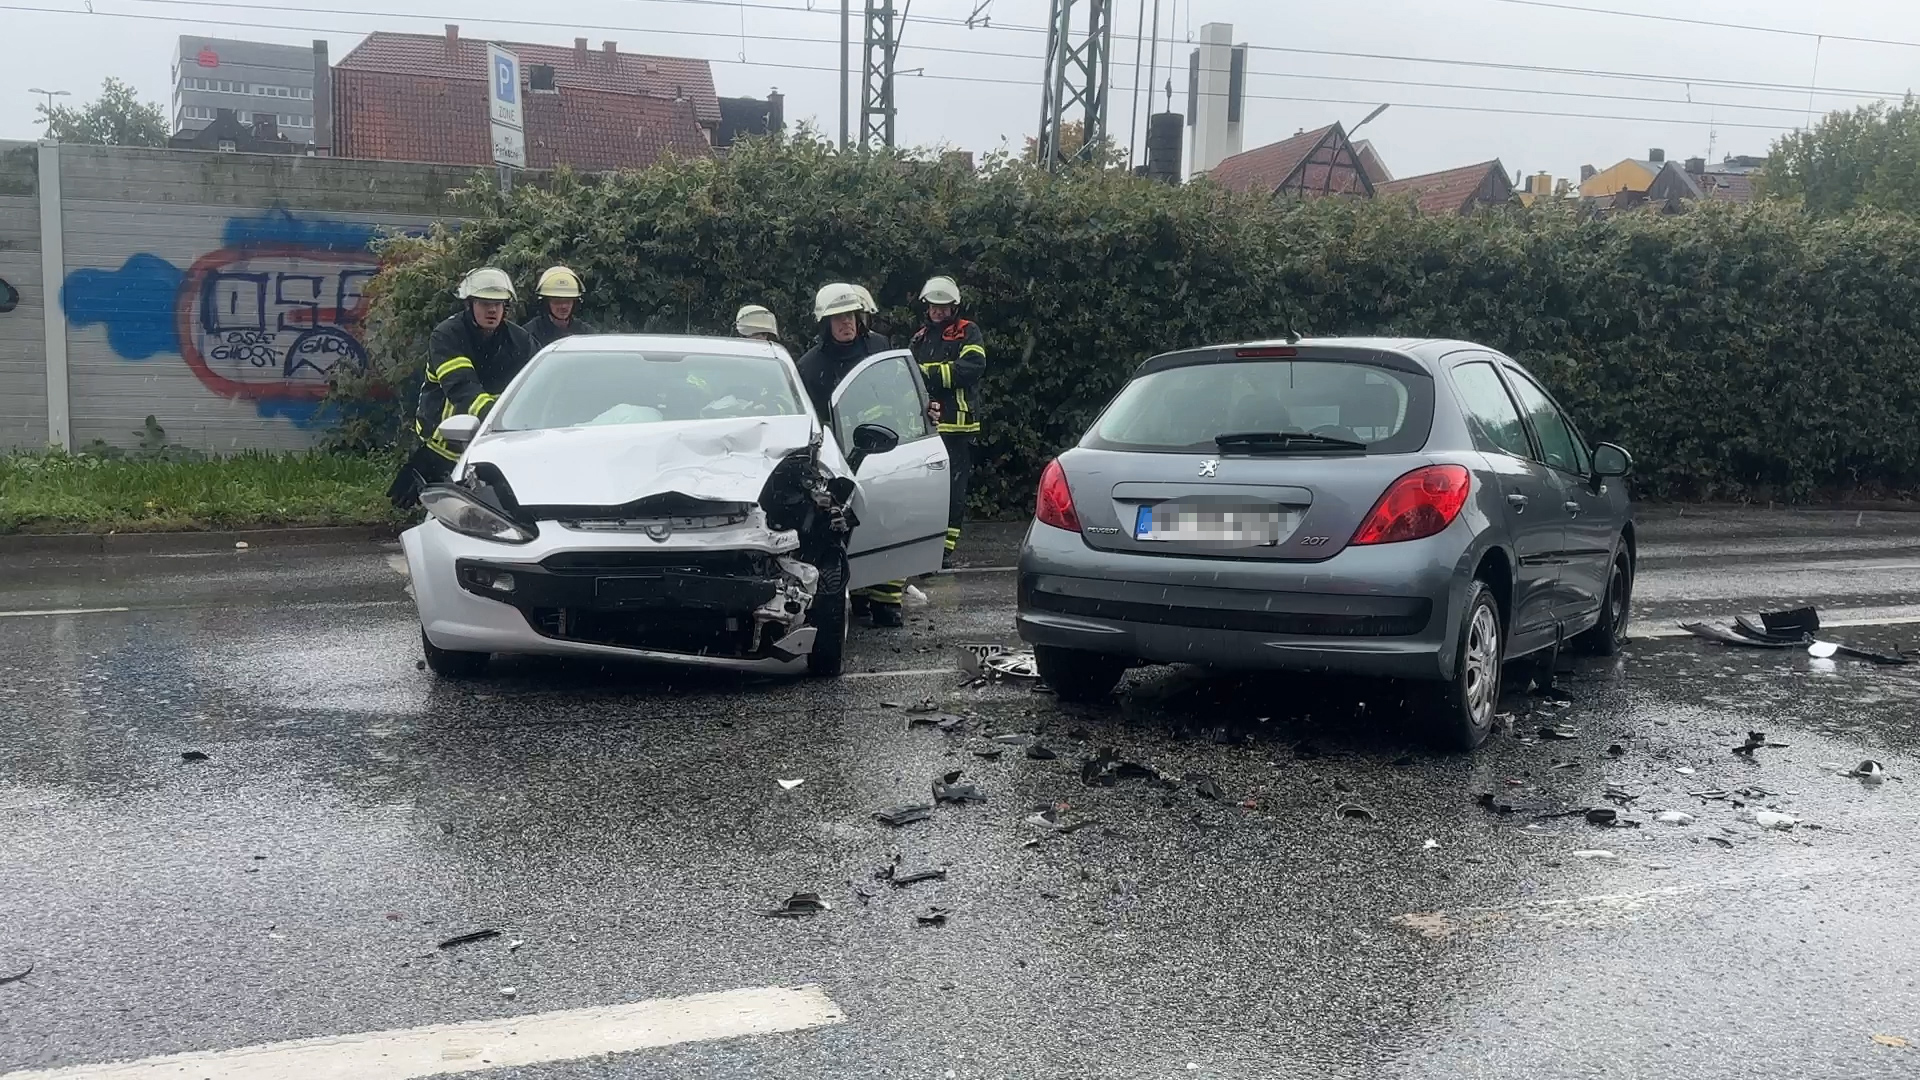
1369,118
49,95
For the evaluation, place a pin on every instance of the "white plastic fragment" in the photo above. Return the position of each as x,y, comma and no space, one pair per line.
240,545
1684,770
514,944
789,785
509,992
1822,650
1771,819
913,597
1430,844
1594,853
1674,817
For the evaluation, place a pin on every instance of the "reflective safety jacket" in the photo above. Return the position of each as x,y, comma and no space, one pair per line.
466,370
544,331
952,358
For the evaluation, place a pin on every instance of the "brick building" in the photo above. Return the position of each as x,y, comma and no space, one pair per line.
420,97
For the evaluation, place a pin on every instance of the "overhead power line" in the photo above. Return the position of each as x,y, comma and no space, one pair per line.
1650,17
957,50
979,79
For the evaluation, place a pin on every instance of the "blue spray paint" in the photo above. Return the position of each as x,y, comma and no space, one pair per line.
136,302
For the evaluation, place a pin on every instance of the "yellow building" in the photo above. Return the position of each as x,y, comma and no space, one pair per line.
1542,185
1633,174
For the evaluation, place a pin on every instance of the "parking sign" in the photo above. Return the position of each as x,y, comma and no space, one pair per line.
503,98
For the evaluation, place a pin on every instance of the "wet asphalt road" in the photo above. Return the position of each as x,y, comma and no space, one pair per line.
626,825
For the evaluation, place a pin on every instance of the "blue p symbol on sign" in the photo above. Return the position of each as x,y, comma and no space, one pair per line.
505,86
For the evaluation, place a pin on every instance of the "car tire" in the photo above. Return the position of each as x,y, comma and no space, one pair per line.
830,615
1459,711
1610,633
451,664
1076,675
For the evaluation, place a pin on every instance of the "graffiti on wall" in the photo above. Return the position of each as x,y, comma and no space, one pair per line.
9,296
267,317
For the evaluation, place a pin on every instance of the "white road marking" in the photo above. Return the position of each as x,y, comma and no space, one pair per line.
481,1045
60,611
879,675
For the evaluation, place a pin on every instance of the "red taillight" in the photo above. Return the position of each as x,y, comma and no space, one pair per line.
1055,504
1417,505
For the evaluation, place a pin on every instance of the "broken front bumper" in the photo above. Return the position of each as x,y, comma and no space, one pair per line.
591,592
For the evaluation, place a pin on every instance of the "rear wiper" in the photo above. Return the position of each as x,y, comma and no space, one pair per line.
1284,440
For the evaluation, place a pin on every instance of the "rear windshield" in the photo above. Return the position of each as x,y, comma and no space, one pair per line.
1184,409
576,389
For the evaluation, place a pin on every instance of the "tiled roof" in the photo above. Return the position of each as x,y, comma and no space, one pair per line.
1265,168
665,77
392,117
1369,155
1446,192
1728,187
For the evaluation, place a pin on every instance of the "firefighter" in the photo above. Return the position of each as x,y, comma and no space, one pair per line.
844,313
557,302
754,321
952,354
471,357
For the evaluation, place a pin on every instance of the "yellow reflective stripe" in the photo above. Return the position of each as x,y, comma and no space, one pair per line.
946,375
481,403
446,409
970,428
439,446
981,349
960,400
448,368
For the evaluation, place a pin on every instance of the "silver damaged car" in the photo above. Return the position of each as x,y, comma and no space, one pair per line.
1417,510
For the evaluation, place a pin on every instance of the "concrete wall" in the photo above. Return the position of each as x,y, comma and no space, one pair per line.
23,376
215,292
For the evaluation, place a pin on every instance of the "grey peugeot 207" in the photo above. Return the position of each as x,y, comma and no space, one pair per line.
1416,510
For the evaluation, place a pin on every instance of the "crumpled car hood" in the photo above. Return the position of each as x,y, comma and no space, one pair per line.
612,465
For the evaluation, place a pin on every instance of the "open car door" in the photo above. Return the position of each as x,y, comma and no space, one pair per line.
902,503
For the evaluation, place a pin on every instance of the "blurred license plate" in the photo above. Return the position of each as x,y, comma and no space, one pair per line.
1242,526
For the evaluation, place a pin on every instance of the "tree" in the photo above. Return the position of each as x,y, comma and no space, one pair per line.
116,118
1072,137
1869,157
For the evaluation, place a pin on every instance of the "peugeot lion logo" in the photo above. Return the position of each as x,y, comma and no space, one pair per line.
1207,467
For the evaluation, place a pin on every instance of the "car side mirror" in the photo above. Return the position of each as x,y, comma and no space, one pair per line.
1611,460
870,439
458,431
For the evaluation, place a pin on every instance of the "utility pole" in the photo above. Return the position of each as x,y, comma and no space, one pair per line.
1078,75
846,77
877,111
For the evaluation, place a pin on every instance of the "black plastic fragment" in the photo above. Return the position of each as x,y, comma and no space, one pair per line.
16,976
904,815
1727,637
1797,621
1498,806
949,789
989,753
933,917
468,939
193,755
1039,752
942,721
1603,815
1559,731
1207,788
798,905
1356,812
901,881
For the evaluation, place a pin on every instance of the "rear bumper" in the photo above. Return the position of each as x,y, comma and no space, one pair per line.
1384,611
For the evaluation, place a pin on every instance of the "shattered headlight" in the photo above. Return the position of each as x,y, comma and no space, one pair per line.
461,512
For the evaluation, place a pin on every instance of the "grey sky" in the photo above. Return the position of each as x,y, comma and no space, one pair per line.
982,102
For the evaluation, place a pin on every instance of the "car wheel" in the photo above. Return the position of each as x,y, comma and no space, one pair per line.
1075,675
1460,710
830,614
451,664
1610,633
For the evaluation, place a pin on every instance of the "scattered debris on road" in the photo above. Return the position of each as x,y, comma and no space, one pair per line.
1559,731
904,815
193,756
944,721
1498,806
1593,853
948,788
1757,740
1674,817
1356,812
1039,752
789,785
798,905
509,993
1010,665
16,976
514,945
933,917
1207,787
901,881
468,939
989,753
1894,1041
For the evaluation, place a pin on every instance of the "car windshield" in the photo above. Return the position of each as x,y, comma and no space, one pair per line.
576,389
1190,408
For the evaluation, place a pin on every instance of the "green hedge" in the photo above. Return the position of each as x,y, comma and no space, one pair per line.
1739,352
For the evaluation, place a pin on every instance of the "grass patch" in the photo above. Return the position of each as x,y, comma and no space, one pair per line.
43,493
